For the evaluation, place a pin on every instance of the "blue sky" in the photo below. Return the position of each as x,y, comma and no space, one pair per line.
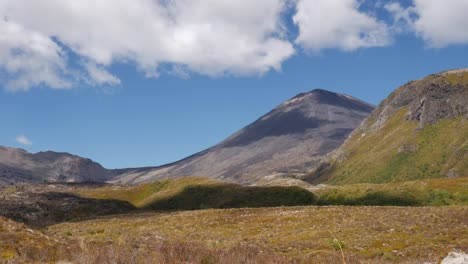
139,105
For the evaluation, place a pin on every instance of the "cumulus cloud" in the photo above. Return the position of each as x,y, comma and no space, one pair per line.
100,76
61,43
210,37
23,140
338,24
438,23
30,58
442,23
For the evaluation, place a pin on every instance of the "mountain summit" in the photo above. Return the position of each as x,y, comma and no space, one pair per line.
288,140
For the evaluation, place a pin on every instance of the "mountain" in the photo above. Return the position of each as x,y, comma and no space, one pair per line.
288,140
420,131
20,166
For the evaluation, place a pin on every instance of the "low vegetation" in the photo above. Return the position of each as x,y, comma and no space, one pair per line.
144,194
164,228
457,78
233,196
201,193
433,192
265,235
402,152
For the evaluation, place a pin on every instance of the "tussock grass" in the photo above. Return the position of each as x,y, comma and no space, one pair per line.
365,234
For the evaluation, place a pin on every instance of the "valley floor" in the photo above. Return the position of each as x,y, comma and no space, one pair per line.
263,235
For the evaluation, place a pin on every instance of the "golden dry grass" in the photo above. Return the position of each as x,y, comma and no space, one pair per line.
307,234
368,234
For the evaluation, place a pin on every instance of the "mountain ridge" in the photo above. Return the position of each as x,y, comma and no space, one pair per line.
285,127
20,166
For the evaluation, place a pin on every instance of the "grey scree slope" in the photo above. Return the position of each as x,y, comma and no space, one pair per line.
291,139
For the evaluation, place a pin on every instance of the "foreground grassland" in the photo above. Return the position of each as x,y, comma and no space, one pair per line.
262,235
161,227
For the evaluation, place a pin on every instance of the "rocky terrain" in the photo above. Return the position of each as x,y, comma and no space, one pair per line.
20,166
45,204
420,131
290,139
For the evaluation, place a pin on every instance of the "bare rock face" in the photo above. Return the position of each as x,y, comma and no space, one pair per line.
290,139
429,100
20,166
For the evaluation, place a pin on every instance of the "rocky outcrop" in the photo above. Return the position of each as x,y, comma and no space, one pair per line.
455,258
429,100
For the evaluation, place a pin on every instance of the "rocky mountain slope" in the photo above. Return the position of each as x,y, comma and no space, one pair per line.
420,131
290,139
20,166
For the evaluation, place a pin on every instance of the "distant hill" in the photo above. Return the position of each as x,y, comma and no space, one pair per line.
420,131
20,166
288,140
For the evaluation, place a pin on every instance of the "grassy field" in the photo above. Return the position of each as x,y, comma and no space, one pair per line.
265,235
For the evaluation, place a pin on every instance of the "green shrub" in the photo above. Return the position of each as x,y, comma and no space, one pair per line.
440,197
371,199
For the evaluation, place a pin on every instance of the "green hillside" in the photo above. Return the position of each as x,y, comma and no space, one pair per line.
432,192
192,193
419,132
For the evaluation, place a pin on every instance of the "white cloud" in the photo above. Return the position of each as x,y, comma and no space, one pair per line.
30,58
210,37
60,43
100,76
402,17
23,140
338,24
438,23
442,23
